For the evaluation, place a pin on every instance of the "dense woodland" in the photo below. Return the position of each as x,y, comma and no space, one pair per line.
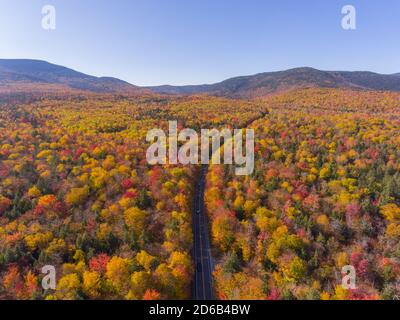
77,192
325,193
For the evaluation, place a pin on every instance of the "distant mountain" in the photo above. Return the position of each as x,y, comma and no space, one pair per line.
23,72
264,83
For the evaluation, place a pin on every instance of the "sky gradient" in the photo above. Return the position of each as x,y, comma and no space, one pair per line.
153,42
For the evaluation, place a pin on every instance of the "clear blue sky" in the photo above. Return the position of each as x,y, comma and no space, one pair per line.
151,42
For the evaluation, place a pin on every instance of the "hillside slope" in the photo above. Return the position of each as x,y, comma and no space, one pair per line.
23,72
269,82
35,75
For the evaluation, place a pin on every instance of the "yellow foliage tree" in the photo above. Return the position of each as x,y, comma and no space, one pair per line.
118,273
135,219
68,286
91,284
77,196
145,260
391,212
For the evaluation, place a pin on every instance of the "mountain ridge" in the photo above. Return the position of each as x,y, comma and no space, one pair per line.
269,82
19,72
40,72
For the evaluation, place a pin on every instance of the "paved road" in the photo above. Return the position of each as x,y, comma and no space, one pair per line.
203,288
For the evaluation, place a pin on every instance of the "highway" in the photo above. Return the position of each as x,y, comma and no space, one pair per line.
203,287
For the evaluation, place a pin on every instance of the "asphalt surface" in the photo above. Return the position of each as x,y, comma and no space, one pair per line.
203,287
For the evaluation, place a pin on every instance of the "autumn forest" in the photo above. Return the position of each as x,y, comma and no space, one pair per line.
77,193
